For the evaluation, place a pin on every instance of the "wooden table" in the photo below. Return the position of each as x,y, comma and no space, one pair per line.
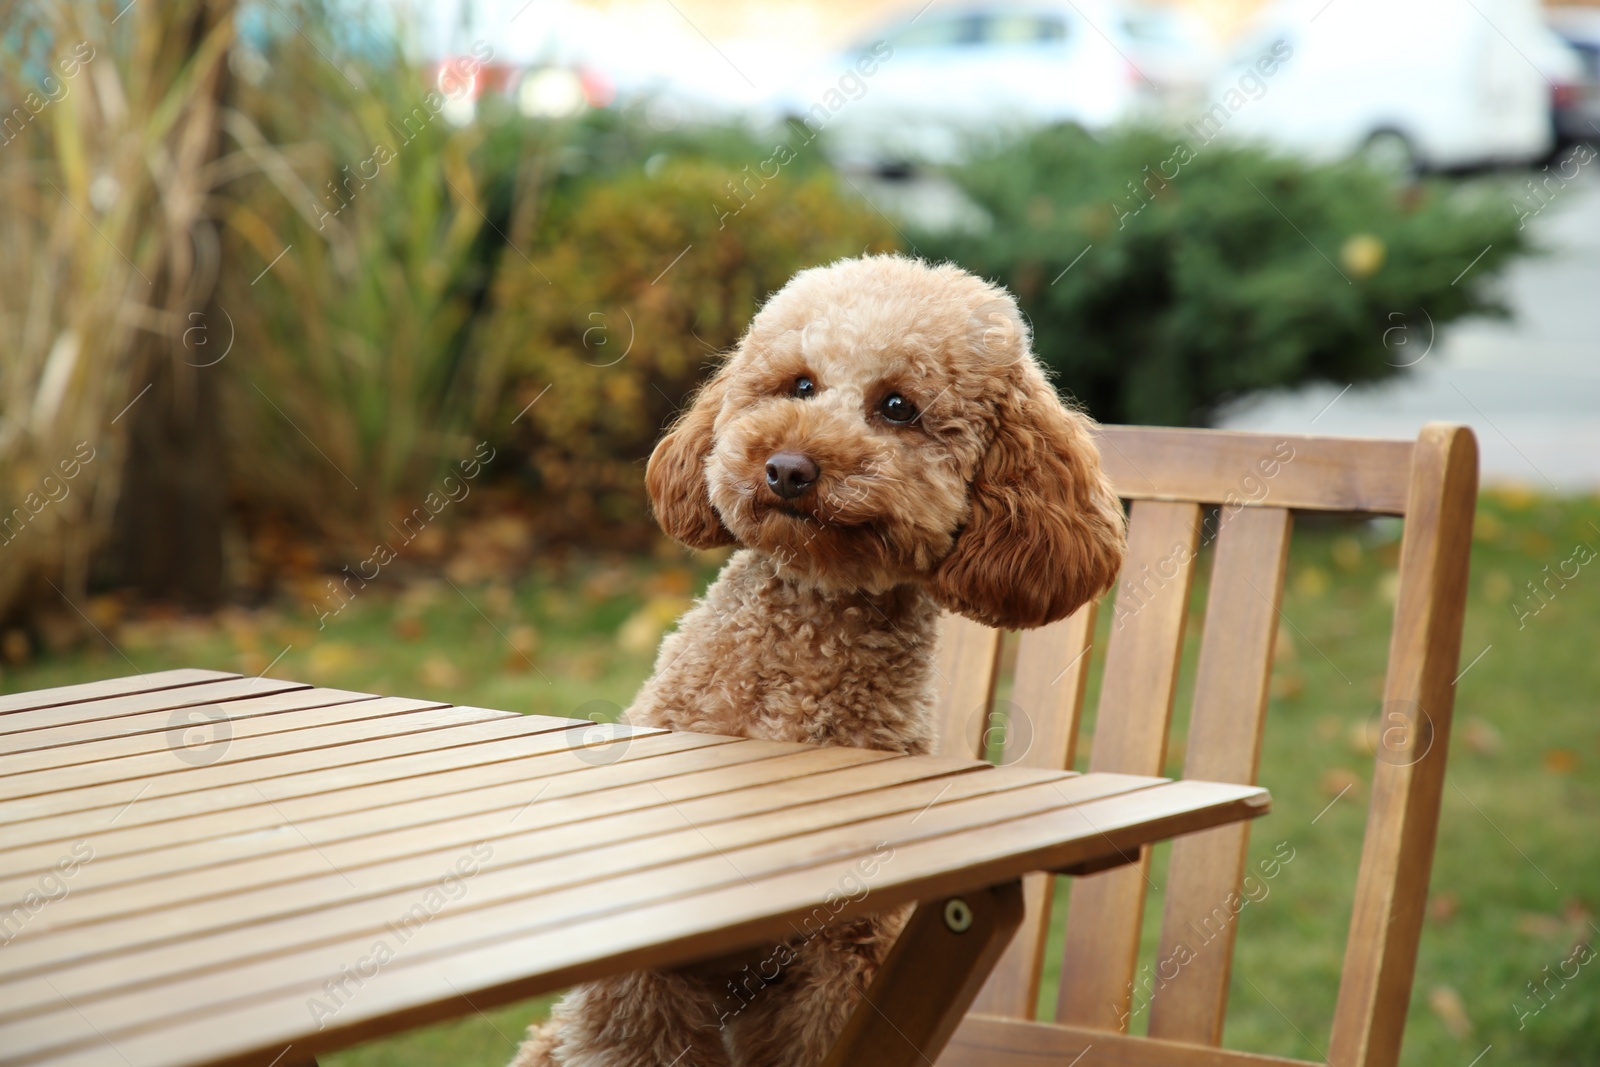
198,868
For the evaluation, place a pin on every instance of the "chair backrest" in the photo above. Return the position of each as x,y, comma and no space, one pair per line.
1186,487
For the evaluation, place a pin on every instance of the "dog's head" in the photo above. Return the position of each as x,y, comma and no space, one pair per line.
884,421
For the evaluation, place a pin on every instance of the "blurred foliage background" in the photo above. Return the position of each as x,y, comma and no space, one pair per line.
240,349
1210,270
334,293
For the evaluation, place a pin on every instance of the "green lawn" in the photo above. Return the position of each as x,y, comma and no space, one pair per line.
1517,876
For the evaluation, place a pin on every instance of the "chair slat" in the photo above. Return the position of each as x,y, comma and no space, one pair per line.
1247,469
1042,731
969,656
1230,707
1403,819
1135,712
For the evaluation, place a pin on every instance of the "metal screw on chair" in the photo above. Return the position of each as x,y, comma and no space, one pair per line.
958,915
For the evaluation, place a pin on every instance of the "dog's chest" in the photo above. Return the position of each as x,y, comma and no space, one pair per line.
761,658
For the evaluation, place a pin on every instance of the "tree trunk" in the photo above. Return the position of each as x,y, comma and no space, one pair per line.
166,541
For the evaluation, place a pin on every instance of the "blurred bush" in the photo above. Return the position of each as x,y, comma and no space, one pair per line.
637,284
379,288
361,237
1207,272
103,182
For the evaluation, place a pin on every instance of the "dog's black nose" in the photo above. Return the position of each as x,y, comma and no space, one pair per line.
789,474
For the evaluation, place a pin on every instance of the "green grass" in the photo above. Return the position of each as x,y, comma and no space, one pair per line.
1516,876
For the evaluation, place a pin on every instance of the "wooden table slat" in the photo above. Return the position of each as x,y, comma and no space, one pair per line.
282,713
290,775
85,691
671,915
155,722
193,818
266,836
423,716
557,889
523,862
222,911
152,779
18,724
110,967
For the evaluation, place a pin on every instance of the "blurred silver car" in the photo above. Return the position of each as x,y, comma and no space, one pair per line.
1576,101
920,89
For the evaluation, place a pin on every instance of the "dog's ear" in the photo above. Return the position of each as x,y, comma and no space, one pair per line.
1046,532
676,476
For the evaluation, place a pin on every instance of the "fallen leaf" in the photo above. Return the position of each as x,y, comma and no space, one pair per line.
429,544
1443,907
1347,553
1337,780
1288,686
1481,737
409,628
1311,582
1363,737
1515,497
1544,927
105,611
1452,1012
330,658
440,673
524,638
1560,760
1488,528
524,642
497,599
1576,912
588,666
606,583
644,627
670,581
14,647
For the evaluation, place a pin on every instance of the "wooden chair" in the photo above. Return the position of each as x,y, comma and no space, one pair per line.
1172,478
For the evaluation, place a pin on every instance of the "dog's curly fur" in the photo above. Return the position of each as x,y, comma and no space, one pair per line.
823,626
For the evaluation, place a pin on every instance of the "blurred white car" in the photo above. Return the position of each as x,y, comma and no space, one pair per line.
555,58
1418,84
919,89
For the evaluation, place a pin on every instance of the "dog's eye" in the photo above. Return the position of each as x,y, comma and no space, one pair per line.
804,388
897,408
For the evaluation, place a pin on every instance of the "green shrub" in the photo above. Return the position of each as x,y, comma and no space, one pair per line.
359,246
637,284
1208,271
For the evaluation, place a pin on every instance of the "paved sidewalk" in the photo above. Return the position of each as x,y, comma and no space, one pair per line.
1530,386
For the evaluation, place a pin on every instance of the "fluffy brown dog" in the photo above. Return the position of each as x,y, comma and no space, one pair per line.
882,444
